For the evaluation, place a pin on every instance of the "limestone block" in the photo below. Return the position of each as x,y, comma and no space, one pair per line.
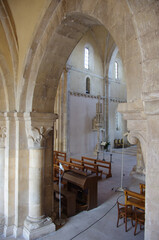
150,71
132,49
153,128
133,73
147,19
150,42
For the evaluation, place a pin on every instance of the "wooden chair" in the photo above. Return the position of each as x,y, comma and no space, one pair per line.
139,218
125,212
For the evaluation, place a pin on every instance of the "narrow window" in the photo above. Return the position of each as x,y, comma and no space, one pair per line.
116,70
117,121
86,58
88,85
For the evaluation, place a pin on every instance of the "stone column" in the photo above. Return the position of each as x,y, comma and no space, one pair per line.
68,112
65,112
38,127
9,173
2,158
152,167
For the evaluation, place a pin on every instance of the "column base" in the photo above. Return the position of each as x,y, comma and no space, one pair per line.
8,231
33,230
1,224
138,173
1,229
17,231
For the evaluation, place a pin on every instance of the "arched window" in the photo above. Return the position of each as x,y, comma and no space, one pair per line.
88,85
117,121
86,57
116,70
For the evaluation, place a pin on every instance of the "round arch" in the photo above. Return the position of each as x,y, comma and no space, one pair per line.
67,24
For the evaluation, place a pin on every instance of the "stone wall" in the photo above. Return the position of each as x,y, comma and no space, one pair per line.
33,54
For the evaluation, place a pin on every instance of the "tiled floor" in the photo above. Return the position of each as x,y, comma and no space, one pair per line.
100,223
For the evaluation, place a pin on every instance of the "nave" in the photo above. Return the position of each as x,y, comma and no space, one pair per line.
100,223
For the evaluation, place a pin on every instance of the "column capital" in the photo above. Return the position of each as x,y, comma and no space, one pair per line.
38,126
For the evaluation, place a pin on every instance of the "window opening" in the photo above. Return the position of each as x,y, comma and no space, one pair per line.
88,85
86,58
117,121
116,70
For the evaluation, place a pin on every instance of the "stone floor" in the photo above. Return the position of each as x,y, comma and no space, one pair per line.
100,223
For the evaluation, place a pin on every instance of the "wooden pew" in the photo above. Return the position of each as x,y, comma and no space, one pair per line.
84,166
107,165
74,164
101,166
142,188
78,162
59,155
134,199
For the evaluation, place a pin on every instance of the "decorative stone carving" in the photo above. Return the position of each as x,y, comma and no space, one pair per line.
137,137
38,127
2,136
38,136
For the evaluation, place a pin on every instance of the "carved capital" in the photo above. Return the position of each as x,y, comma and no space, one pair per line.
2,136
37,136
38,126
138,135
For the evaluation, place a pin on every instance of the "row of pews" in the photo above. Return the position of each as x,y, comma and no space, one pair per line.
85,164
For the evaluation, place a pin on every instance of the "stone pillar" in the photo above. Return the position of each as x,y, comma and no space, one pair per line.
2,159
65,112
38,127
152,167
68,112
9,173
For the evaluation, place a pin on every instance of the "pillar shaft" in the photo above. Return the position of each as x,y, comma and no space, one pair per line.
2,154
36,162
38,127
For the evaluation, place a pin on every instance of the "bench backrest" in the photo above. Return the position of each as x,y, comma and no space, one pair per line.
142,188
59,155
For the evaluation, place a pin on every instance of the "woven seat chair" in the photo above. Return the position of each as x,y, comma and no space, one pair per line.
125,212
139,218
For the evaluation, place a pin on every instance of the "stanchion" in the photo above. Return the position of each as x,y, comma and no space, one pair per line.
121,189
60,221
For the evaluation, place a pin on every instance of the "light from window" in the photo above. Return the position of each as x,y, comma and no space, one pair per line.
86,57
116,70
117,121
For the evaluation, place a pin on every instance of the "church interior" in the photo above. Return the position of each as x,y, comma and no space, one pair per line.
78,93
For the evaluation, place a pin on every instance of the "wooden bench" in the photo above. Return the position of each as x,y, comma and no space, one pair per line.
101,166
85,165
142,188
69,201
134,199
77,162
59,155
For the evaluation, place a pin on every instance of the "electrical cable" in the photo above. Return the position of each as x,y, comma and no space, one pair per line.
97,219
